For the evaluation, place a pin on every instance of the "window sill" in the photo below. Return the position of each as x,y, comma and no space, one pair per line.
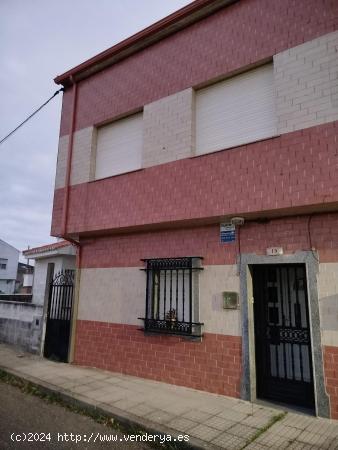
167,327
94,180
186,337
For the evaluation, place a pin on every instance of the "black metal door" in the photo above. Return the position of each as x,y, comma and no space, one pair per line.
282,334
59,315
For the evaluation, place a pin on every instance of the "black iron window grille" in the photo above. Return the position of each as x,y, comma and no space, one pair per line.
172,296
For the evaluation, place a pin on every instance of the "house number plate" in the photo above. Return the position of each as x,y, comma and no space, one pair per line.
274,251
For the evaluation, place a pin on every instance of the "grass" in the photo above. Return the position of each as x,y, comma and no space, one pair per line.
262,430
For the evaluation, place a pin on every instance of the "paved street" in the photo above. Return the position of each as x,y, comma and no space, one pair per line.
24,413
211,421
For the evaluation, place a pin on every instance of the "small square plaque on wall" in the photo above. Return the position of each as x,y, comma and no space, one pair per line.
274,251
230,300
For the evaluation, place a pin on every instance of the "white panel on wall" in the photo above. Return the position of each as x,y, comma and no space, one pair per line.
236,111
119,146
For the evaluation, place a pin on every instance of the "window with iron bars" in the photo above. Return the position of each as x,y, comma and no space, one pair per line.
172,296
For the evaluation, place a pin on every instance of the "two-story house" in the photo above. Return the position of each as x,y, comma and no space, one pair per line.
9,258
197,173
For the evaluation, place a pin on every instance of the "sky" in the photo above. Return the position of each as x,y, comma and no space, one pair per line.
40,39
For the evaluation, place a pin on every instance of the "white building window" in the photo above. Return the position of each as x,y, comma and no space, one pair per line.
3,263
236,111
119,146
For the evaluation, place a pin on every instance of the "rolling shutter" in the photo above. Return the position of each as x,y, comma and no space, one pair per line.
119,147
236,111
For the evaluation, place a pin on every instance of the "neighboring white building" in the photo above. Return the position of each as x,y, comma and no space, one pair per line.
49,260
9,258
22,323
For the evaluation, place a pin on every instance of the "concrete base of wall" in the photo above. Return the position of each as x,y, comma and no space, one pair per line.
21,325
25,335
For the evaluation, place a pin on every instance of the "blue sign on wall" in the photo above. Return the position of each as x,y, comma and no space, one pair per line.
227,233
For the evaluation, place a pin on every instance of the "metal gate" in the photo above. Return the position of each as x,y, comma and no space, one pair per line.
282,334
59,316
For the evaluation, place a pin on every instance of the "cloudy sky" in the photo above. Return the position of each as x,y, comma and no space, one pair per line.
40,39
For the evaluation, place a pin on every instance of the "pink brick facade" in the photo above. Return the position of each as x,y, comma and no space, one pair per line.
291,233
213,365
331,372
295,170
125,349
227,41
286,187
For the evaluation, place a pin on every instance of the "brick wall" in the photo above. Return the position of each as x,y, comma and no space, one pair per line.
119,294
293,234
305,95
82,158
61,165
167,129
306,84
290,171
290,233
331,377
237,33
123,348
128,250
213,365
328,302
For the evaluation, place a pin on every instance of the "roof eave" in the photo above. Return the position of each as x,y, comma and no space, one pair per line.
45,248
61,251
180,19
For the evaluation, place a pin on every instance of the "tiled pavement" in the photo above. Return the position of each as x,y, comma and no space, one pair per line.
212,421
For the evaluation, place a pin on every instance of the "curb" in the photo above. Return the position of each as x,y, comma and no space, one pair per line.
127,420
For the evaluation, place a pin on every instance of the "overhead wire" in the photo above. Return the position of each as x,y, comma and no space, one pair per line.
30,116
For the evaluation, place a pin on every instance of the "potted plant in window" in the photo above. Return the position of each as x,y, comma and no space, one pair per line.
171,318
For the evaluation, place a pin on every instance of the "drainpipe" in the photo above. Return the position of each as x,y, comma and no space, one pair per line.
71,350
69,161
64,223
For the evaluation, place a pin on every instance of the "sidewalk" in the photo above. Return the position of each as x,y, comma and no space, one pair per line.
212,421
